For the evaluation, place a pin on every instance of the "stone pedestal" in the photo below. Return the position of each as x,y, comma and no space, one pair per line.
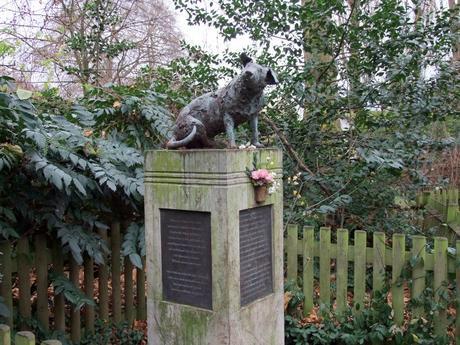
214,255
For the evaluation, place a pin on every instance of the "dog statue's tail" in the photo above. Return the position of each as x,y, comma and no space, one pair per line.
174,144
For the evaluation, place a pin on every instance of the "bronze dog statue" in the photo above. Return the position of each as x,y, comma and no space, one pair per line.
223,110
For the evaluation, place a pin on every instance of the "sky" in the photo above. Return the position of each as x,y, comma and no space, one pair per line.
206,37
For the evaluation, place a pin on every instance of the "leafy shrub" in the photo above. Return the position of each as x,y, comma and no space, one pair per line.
113,334
373,324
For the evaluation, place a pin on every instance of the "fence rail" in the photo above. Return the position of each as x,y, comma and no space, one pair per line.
380,257
117,288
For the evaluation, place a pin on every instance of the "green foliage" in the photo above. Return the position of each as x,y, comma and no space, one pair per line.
134,244
370,64
113,334
73,168
373,325
4,311
71,293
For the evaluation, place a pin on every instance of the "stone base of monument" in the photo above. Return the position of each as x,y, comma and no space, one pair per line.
214,255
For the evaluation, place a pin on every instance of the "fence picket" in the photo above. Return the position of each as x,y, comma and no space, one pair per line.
378,269
440,277
452,206
342,269
129,292
307,276
418,271
397,286
360,270
59,302
104,282
23,260
115,237
5,283
24,338
75,332
89,292
140,292
292,269
325,266
41,265
5,335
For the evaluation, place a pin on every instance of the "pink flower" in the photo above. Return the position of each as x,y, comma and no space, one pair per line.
262,177
260,174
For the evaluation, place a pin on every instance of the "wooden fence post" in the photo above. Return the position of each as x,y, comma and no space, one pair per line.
418,271
129,291
104,282
89,292
307,277
115,237
440,277
360,270
292,269
23,261
75,326
41,267
452,206
140,292
325,266
397,285
6,283
59,302
5,335
24,338
378,269
342,270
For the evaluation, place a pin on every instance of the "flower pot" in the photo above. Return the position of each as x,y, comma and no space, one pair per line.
260,193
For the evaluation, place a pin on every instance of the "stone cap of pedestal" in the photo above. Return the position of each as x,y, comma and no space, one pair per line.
208,166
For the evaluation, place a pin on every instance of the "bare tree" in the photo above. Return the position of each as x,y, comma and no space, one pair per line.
73,43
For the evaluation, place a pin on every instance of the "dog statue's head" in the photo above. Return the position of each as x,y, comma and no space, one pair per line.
257,76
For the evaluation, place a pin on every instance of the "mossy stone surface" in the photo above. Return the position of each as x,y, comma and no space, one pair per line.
212,181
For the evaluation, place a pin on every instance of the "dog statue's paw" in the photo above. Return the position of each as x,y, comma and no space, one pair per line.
258,145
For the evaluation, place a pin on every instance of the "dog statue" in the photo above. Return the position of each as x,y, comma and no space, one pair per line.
215,112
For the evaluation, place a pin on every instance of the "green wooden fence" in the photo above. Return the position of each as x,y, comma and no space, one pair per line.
117,287
443,209
380,257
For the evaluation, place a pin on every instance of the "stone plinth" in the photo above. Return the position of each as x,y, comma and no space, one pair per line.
214,256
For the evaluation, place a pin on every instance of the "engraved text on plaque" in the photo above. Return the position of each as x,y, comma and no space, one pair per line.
255,253
186,257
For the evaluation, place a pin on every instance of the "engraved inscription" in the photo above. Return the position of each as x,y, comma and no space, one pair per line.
256,279
186,257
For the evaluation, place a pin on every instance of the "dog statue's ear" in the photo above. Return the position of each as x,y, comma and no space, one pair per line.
271,78
245,59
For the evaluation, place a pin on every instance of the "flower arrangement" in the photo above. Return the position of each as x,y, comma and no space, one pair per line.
262,177
263,182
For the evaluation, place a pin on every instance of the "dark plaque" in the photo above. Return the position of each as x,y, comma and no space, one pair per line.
186,257
256,279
